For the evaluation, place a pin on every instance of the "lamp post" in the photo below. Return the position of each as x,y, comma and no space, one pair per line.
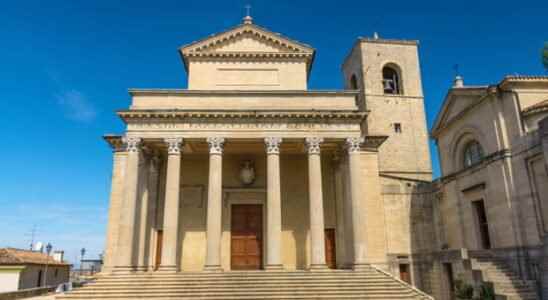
82,252
48,251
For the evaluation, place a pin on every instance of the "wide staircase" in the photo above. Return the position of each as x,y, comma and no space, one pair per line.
506,283
334,284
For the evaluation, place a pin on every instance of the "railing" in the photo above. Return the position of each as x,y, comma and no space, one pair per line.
20,294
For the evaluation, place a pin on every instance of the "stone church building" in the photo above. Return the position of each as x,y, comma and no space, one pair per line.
248,185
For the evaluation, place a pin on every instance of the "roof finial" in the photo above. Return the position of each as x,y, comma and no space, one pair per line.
248,19
458,82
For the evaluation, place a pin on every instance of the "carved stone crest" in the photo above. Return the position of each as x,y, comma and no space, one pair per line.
247,173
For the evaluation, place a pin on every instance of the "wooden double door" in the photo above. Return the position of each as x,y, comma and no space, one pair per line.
246,244
246,237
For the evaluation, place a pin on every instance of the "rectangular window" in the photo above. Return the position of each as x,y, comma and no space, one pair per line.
483,226
397,127
39,283
448,268
159,240
404,273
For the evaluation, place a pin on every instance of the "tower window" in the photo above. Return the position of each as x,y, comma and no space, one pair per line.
397,127
391,81
353,82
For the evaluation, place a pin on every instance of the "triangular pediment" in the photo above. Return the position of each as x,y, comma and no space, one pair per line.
456,103
246,38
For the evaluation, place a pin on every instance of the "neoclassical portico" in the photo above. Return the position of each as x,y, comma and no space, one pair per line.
138,151
245,169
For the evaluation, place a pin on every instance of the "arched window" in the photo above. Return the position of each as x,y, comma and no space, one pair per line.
473,153
353,83
391,80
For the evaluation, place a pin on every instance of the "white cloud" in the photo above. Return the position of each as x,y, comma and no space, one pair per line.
76,106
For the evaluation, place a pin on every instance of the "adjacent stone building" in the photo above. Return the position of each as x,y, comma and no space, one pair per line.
24,269
492,196
248,169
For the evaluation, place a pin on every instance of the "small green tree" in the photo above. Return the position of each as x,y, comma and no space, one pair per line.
463,291
545,56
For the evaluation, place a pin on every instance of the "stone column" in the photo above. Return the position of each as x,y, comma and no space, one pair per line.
341,252
126,243
115,207
273,205
143,211
359,241
317,239
171,206
153,177
214,204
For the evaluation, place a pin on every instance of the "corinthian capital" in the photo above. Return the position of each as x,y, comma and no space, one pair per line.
273,144
353,144
215,145
174,145
313,144
133,144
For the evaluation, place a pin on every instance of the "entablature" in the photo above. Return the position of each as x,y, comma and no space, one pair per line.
239,145
344,100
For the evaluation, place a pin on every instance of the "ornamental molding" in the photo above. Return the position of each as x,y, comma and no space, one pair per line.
273,145
313,144
212,43
174,145
216,145
373,142
247,55
116,142
133,144
353,144
129,115
163,125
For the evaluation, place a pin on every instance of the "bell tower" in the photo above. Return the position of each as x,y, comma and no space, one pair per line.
387,73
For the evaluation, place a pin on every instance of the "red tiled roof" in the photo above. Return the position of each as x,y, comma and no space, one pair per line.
12,256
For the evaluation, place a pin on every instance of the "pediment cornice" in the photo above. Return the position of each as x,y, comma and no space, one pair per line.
246,30
277,46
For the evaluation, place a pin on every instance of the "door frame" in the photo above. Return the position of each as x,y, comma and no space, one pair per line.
263,243
334,233
240,196
481,240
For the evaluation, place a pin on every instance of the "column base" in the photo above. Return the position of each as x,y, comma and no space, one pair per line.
279,267
213,268
167,269
141,268
318,267
360,267
123,270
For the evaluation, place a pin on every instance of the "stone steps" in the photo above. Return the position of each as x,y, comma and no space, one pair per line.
346,284
221,284
505,282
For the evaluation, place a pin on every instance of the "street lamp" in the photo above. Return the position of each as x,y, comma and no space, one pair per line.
48,251
82,252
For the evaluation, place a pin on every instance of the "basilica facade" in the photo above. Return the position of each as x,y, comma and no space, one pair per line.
248,169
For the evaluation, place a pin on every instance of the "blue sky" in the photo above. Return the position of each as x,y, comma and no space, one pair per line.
66,67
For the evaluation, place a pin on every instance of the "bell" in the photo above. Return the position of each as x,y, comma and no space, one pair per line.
388,84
